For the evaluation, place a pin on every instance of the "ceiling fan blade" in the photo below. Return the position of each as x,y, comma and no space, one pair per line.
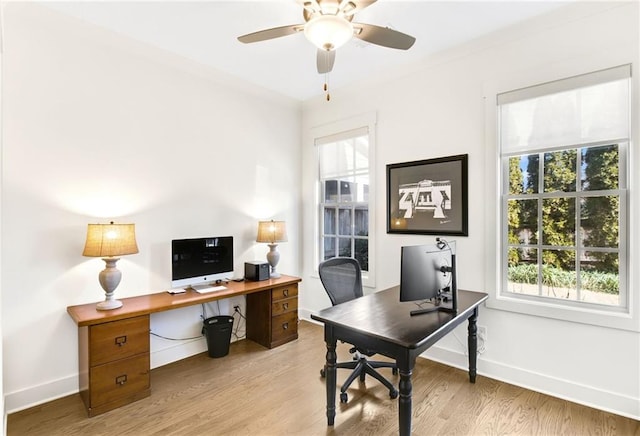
359,5
275,32
383,36
325,60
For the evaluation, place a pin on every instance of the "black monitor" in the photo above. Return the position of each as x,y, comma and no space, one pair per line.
428,276
199,261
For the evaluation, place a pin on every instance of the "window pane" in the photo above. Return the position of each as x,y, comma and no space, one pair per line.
560,171
344,185
330,193
362,253
344,223
344,247
599,278
600,168
361,222
559,274
522,273
329,248
329,220
599,219
558,221
532,173
523,174
522,218
347,191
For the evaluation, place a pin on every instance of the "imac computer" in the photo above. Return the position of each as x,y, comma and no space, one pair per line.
428,277
201,261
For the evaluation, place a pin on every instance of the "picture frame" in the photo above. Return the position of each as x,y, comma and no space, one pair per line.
428,197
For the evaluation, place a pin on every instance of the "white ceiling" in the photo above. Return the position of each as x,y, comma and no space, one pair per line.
206,31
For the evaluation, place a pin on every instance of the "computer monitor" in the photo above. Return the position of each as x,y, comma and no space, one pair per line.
428,276
200,261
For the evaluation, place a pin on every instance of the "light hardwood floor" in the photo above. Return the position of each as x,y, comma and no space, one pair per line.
255,391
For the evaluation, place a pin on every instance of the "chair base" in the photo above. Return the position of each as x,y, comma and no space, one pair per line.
361,367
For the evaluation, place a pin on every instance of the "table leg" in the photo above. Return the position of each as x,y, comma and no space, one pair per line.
404,402
472,342
331,379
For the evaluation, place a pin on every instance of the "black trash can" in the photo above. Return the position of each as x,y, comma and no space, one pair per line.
217,330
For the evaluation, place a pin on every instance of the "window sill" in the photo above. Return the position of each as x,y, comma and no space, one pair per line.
591,316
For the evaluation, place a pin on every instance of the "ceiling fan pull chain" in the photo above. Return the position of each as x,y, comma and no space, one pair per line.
326,86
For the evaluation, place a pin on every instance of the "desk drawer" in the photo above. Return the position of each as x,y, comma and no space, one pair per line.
284,327
282,306
283,292
116,380
118,339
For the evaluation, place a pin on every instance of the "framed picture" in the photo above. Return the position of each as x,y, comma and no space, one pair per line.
428,197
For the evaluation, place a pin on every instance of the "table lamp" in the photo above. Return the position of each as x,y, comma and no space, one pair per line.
272,232
109,241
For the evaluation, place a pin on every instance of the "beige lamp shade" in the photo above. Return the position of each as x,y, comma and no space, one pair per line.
272,232
110,240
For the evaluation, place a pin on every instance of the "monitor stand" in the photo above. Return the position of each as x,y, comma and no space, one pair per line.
449,293
433,309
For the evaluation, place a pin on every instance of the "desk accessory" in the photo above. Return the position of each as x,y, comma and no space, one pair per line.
256,270
109,241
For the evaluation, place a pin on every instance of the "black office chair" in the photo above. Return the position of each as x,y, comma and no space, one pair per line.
342,279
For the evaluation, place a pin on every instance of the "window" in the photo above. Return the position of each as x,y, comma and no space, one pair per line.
563,148
344,184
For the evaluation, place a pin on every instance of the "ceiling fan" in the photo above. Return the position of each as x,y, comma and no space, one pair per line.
329,25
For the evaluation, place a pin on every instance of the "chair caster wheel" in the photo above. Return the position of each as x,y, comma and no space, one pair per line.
393,394
344,398
394,371
322,373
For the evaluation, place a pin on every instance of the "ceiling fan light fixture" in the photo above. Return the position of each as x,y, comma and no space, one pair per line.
328,32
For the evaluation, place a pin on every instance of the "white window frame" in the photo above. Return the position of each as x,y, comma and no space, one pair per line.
577,194
628,319
365,122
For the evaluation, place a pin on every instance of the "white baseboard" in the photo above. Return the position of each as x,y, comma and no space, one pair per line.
577,393
177,352
36,395
40,394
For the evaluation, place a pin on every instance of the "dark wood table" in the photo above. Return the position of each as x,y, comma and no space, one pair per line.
381,322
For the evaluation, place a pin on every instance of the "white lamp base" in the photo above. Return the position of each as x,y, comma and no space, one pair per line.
109,279
109,304
273,257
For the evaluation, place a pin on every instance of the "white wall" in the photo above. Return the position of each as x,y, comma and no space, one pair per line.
98,127
3,421
438,109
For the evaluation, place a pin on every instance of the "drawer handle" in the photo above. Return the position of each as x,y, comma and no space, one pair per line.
285,292
285,326
121,340
285,306
121,379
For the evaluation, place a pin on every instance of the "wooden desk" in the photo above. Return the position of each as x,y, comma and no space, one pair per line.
381,322
113,345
